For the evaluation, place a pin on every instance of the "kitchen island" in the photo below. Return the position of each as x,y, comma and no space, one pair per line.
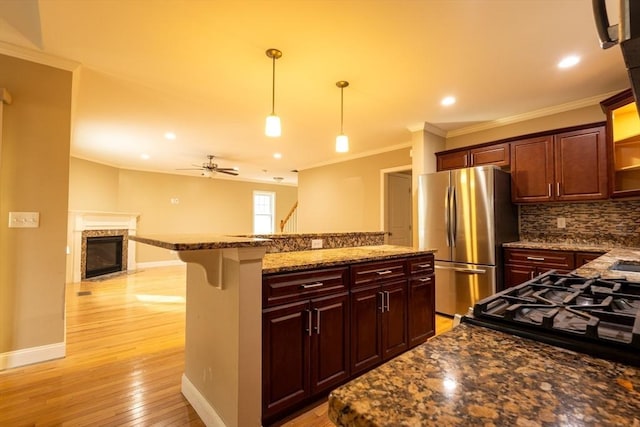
223,345
474,375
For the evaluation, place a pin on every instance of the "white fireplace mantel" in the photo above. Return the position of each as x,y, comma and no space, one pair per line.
95,220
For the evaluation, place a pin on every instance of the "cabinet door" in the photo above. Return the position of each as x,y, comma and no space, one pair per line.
497,155
329,342
285,356
421,314
516,274
580,165
395,337
366,346
532,170
583,258
454,160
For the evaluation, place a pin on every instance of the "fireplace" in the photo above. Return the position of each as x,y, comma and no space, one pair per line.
104,255
103,252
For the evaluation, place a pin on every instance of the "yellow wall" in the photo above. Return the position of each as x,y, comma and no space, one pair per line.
345,197
223,206
580,116
34,173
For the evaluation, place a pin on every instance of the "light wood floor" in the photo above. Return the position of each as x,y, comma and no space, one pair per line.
125,358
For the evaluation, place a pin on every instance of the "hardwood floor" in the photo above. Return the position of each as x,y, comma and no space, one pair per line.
125,358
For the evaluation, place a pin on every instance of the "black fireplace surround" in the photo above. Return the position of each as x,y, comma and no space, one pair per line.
104,255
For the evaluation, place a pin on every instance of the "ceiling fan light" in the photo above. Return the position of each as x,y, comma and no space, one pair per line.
342,143
272,127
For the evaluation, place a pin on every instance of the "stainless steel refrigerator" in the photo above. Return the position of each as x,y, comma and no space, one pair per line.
466,214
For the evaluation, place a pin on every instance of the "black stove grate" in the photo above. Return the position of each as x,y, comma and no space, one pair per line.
590,315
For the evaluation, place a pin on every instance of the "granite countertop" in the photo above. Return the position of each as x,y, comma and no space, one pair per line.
601,266
318,258
558,246
476,376
192,242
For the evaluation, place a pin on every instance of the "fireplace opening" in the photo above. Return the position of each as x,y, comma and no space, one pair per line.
104,255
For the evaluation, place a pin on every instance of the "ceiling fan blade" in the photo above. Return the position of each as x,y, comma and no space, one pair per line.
189,169
227,171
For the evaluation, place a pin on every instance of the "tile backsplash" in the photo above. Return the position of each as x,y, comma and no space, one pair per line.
615,223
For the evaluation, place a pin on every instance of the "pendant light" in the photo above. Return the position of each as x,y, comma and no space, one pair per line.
342,140
272,126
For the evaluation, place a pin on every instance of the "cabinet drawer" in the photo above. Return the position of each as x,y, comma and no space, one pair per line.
377,272
420,265
288,287
551,259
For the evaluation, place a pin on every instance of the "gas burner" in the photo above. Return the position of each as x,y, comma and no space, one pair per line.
592,315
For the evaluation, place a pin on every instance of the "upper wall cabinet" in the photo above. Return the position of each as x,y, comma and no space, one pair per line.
567,166
623,144
494,154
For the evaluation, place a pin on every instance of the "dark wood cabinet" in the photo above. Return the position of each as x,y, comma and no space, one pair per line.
322,327
379,313
532,169
623,144
421,312
583,258
494,154
305,343
567,166
525,264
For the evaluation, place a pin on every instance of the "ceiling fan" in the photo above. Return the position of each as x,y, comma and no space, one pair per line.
209,168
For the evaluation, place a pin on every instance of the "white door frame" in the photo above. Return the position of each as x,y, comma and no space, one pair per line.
384,198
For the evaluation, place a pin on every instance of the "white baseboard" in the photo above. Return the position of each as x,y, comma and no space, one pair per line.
152,264
28,356
206,412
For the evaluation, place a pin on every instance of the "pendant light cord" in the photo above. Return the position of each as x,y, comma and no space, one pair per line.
341,110
273,87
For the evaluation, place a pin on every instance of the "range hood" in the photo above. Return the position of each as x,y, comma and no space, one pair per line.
626,33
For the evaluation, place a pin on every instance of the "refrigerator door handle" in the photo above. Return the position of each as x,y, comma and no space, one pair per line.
454,217
447,208
462,270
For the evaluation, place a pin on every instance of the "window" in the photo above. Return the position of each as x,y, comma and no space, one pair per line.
263,212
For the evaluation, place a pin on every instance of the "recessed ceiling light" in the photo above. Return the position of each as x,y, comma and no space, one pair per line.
145,156
236,168
448,100
568,61
170,135
277,155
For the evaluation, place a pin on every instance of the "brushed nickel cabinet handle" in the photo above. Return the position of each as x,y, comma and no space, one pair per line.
317,310
311,285
384,272
381,301
424,265
387,298
558,188
535,258
309,321
425,279
549,190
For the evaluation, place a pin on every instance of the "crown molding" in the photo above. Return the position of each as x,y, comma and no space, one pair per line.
586,102
360,155
5,96
38,57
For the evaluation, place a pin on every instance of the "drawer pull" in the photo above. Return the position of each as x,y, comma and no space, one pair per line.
424,265
317,320
535,258
383,272
386,294
425,279
311,285
309,322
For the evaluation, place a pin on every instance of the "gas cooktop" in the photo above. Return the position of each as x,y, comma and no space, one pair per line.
589,315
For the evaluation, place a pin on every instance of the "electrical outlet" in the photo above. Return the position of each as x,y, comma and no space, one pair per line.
316,243
24,219
562,222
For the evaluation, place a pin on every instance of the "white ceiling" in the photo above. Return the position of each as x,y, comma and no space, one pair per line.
199,69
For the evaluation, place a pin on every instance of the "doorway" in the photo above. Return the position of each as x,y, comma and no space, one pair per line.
397,199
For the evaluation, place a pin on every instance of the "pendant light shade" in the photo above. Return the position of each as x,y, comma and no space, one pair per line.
272,127
342,140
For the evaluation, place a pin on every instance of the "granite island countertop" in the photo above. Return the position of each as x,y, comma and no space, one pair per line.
197,241
558,246
320,258
481,377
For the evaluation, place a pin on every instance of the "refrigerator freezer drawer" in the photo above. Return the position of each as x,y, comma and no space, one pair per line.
460,286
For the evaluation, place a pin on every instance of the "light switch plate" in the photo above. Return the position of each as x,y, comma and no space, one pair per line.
24,219
562,222
316,243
